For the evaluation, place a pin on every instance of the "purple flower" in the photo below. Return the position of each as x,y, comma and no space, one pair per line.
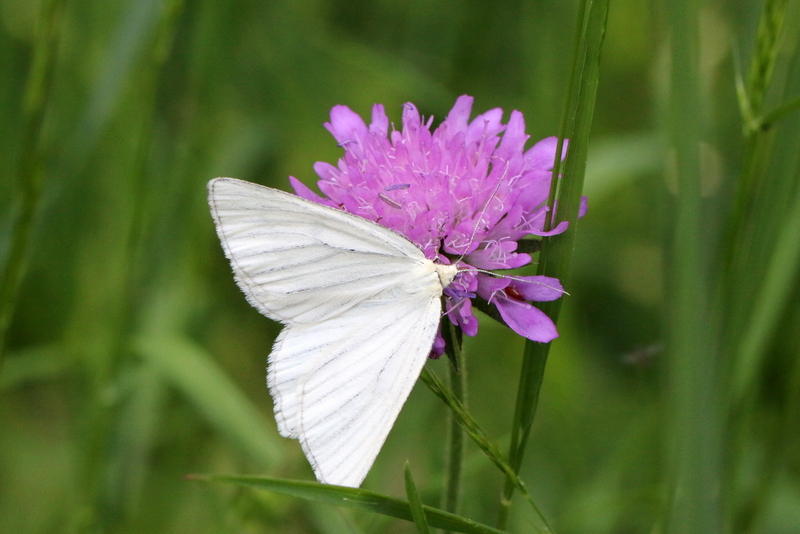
460,193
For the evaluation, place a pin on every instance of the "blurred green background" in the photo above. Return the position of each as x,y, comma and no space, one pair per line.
133,359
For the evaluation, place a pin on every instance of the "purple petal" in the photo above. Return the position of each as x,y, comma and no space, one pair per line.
326,171
380,122
499,255
438,345
584,207
485,125
526,320
490,286
346,124
458,118
538,288
465,319
411,119
514,137
543,154
304,192
561,228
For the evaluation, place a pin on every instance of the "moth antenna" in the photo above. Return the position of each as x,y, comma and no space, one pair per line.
515,278
389,201
483,212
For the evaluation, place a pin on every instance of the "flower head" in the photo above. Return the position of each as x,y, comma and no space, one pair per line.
460,192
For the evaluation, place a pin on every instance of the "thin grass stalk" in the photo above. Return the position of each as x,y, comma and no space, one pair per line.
751,103
554,259
771,301
695,432
743,339
778,446
752,338
32,168
144,204
353,498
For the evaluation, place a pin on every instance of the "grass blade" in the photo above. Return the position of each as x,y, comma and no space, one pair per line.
693,381
556,254
417,512
356,498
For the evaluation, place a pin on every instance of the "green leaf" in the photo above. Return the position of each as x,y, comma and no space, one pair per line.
455,434
353,498
417,512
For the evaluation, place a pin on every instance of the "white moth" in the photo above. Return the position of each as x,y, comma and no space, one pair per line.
360,304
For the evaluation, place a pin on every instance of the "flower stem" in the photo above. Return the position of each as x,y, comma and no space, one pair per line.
455,434
31,167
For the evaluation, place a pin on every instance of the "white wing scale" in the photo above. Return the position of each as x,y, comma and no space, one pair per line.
361,305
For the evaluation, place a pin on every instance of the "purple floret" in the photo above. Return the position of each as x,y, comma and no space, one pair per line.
461,192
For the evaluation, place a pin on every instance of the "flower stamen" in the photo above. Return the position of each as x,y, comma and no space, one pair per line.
389,201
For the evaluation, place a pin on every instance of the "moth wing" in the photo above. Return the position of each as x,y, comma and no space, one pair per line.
300,262
361,305
339,385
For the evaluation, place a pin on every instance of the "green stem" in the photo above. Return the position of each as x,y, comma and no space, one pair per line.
770,302
32,165
481,439
755,318
455,435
